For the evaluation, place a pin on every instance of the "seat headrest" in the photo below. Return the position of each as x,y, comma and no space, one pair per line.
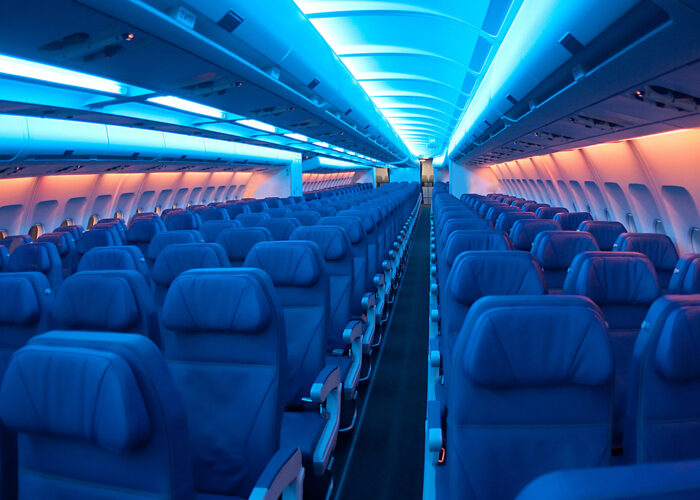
278,212
468,241
686,275
4,258
658,247
537,342
365,217
178,258
332,241
605,232
477,274
557,249
187,306
523,232
505,221
182,220
63,241
99,301
20,305
74,230
677,352
288,263
572,220
280,228
307,218
142,230
549,212
96,238
352,226
101,401
127,258
252,219
167,238
13,242
37,257
213,213
532,207
234,209
610,278
237,242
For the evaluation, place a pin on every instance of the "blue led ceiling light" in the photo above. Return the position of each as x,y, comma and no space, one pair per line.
36,71
265,127
420,61
171,101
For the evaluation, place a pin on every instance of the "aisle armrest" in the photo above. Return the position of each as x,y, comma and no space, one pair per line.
434,426
352,335
325,391
283,475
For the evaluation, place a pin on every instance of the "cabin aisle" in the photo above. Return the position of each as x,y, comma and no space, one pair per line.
386,460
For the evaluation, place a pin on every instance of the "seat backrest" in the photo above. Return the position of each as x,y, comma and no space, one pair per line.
658,247
273,202
605,232
532,207
211,229
512,355
524,231
570,221
549,212
477,274
506,220
624,285
104,408
74,229
213,213
306,218
237,242
450,225
116,229
162,240
96,238
323,209
234,209
117,223
106,301
24,311
278,212
555,251
298,273
238,351
336,250
67,251
494,212
365,216
121,258
176,259
142,231
257,206
38,257
663,410
252,219
183,221
464,240
12,242
280,229
4,258
686,276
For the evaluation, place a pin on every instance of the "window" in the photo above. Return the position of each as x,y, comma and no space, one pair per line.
157,209
35,231
67,222
695,238
189,204
659,227
3,234
608,214
139,210
92,221
118,215
631,224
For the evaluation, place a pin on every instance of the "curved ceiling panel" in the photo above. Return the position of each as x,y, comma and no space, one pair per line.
419,60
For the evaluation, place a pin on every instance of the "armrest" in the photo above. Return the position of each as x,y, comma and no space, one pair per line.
379,281
386,265
433,271
369,300
434,352
434,315
283,475
434,426
434,289
353,331
327,380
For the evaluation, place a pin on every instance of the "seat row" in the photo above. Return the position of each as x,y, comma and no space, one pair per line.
255,364
513,368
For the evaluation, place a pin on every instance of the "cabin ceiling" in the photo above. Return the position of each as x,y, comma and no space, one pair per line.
419,60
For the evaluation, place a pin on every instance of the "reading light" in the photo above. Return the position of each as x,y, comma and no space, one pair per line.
37,71
184,105
265,127
297,137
